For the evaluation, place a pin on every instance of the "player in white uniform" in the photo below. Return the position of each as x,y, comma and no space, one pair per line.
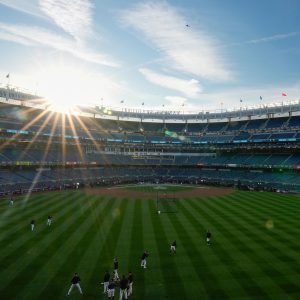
173,247
49,220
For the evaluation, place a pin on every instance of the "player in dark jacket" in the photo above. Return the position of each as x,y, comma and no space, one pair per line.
123,287
144,259
111,290
208,237
75,282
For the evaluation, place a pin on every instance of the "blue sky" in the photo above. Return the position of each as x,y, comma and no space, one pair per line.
134,52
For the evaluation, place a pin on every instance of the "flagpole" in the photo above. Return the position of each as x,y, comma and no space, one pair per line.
241,107
221,110
7,86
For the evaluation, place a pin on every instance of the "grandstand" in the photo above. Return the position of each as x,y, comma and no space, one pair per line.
251,148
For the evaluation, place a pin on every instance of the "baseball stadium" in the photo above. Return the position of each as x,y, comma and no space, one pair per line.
149,150
119,182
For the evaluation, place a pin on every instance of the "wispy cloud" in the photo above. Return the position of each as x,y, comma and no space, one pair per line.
176,101
28,7
36,36
266,39
190,88
187,49
14,38
74,17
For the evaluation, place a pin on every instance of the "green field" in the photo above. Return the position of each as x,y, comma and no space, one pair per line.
161,188
254,255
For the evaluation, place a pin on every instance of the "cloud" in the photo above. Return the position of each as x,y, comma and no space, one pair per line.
74,17
36,36
190,88
176,101
13,38
186,49
267,39
28,7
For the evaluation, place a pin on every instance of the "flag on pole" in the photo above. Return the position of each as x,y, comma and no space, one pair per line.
143,103
122,101
260,97
7,76
241,100
283,94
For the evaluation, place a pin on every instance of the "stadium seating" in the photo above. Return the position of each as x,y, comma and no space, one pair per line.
89,150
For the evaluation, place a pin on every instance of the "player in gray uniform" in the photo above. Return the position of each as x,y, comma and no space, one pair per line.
130,283
106,282
116,268
144,259
173,247
32,224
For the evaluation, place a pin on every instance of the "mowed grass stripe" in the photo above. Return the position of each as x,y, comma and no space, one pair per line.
270,249
266,212
242,230
282,239
270,203
40,251
220,259
210,257
218,226
192,259
79,254
12,243
136,247
22,200
88,260
109,236
154,282
171,274
248,261
123,245
244,242
21,219
19,215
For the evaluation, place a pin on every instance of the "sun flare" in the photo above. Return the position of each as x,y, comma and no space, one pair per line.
65,88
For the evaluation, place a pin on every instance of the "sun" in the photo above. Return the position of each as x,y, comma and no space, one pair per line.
65,88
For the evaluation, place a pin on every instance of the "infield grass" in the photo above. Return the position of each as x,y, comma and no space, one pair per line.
160,188
254,252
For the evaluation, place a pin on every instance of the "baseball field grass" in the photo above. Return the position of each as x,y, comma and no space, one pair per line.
254,252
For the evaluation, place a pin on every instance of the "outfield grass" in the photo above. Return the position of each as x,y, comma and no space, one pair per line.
161,188
245,261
